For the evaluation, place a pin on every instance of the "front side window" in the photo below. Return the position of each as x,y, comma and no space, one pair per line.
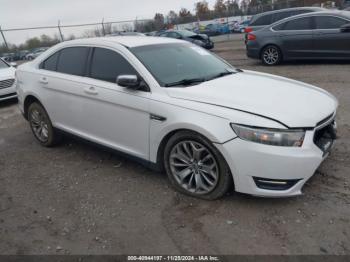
3,64
72,60
329,22
171,63
107,65
50,63
304,23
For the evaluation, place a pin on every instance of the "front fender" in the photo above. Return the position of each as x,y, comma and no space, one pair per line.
214,128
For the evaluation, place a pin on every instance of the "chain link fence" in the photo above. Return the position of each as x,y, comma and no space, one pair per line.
61,32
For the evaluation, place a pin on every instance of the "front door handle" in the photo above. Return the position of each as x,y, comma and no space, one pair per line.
44,80
91,90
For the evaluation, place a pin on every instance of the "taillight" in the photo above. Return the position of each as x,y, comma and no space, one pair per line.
248,29
251,37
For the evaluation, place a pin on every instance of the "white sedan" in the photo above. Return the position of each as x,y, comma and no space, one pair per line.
181,109
7,81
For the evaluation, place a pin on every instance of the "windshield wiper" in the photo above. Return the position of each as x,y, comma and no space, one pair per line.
185,82
222,74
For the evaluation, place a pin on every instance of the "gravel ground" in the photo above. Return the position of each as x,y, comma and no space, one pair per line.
79,199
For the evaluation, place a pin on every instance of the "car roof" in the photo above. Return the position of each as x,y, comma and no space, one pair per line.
128,41
345,14
287,10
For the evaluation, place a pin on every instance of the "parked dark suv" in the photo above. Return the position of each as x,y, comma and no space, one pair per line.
261,20
317,35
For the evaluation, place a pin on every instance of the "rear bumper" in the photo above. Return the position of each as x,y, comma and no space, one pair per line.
271,171
253,52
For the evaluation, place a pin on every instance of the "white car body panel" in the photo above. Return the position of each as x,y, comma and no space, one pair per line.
6,74
120,118
255,93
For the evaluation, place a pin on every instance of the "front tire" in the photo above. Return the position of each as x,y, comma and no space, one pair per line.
271,55
41,125
195,167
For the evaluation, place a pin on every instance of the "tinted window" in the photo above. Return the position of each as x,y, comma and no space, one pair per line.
50,63
329,22
72,60
107,65
281,15
298,24
264,20
279,27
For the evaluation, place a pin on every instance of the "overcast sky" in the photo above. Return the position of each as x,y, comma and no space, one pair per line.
28,13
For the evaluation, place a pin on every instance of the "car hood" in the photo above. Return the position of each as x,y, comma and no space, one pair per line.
6,73
290,102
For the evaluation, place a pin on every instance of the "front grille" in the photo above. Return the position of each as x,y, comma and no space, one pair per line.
6,83
8,95
325,136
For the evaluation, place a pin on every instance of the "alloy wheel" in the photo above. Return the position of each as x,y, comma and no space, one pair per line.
194,167
39,125
271,55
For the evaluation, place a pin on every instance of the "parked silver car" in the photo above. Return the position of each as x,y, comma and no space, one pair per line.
35,53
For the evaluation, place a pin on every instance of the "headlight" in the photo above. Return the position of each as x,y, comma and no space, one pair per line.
275,137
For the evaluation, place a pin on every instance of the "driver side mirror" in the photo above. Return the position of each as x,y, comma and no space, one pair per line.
129,81
345,28
13,64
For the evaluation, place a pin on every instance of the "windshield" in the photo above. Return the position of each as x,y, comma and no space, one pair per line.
173,63
3,64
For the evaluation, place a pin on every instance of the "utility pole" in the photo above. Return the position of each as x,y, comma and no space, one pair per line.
3,37
59,30
103,27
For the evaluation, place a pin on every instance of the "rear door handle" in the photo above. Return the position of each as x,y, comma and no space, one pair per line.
91,90
44,80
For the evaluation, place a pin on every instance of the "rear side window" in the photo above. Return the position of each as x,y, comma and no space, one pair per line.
72,60
107,65
281,15
263,20
329,22
50,63
304,23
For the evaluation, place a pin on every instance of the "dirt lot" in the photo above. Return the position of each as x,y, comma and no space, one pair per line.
79,199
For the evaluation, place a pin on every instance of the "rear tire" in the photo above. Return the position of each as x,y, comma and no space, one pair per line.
271,55
41,126
195,167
